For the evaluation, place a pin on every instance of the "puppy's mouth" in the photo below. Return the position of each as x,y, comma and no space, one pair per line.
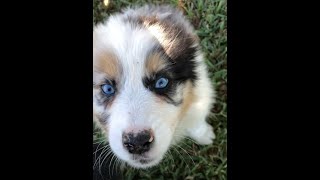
141,159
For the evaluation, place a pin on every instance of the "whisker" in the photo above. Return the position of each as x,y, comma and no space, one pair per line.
115,165
105,152
178,135
105,157
187,153
105,149
101,148
189,146
182,158
171,157
95,156
101,141
110,164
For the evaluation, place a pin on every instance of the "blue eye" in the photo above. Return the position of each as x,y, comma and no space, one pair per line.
107,89
161,83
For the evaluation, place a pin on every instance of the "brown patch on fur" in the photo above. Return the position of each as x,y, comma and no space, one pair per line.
188,99
155,63
148,20
108,64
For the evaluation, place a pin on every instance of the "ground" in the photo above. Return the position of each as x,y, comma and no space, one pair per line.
188,160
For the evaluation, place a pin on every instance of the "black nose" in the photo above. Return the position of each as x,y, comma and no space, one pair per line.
138,143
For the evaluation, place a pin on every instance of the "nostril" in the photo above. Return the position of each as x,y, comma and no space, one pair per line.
146,144
130,147
149,141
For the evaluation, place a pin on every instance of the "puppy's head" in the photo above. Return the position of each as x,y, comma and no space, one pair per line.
145,68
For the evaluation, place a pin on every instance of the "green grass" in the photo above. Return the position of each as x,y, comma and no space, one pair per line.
192,162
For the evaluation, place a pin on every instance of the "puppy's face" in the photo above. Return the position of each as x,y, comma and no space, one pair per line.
144,75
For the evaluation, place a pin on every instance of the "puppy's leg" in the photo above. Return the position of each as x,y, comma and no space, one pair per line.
195,124
202,132
197,128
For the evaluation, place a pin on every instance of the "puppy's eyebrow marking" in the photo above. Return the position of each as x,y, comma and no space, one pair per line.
155,62
107,63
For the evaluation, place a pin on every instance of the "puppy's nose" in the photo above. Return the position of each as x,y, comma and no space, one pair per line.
138,143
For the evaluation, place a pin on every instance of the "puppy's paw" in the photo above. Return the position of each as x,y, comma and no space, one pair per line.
203,135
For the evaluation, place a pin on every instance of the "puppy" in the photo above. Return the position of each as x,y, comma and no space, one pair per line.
150,83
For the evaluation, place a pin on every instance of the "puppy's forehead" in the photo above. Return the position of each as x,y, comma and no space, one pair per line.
138,42
127,41
122,50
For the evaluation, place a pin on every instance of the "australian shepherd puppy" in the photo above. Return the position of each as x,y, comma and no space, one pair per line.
150,83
